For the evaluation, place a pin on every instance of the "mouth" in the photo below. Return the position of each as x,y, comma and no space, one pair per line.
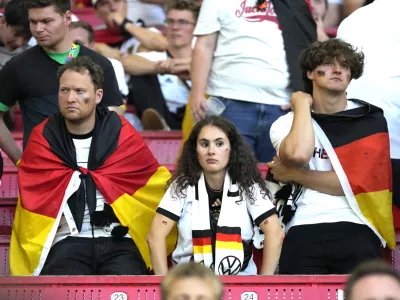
211,161
338,79
71,108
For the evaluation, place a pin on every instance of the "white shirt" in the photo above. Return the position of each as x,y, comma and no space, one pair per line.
181,209
175,92
375,29
249,61
120,75
151,14
82,147
314,207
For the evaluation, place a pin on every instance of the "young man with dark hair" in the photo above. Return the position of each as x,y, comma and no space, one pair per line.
89,187
161,79
373,280
14,30
30,78
333,156
191,281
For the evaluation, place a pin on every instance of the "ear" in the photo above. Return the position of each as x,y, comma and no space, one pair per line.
99,96
2,21
310,75
68,17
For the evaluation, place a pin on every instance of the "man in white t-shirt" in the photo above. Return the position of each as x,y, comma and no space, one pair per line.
239,57
380,84
326,235
162,106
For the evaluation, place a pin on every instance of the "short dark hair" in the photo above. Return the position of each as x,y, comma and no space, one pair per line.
62,6
83,64
370,268
183,5
191,270
319,52
16,16
86,26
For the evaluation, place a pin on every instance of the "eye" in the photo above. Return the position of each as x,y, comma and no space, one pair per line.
219,143
328,63
63,90
80,91
345,66
204,144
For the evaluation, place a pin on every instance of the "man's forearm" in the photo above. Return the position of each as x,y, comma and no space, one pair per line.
7,142
326,182
137,65
201,66
297,147
150,40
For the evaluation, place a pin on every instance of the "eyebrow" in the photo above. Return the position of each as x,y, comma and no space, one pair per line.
206,140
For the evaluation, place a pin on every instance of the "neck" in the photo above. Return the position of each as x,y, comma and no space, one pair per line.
325,102
80,128
63,46
215,180
182,52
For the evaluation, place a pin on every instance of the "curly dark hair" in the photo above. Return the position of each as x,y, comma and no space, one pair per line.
83,64
242,166
319,52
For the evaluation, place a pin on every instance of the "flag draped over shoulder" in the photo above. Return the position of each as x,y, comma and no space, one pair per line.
357,143
121,167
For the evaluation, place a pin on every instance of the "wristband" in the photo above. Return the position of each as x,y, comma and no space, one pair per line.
122,29
17,163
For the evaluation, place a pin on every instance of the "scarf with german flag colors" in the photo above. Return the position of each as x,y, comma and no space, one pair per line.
357,144
120,166
226,237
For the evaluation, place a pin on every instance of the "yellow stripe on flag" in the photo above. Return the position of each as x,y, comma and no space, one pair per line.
137,212
29,234
202,249
229,245
376,207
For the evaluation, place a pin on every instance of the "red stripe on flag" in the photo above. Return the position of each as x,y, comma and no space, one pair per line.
201,241
229,237
367,167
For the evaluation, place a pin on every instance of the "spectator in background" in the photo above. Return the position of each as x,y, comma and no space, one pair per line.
14,30
221,206
97,175
380,84
320,8
191,281
373,280
130,35
30,78
161,80
246,55
14,36
337,210
82,33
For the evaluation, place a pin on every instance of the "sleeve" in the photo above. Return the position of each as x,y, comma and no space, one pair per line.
280,129
171,207
153,55
208,21
262,208
111,95
9,88
120,74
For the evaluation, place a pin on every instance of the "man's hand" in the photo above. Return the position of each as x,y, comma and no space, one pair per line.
280,172
300,98
198,107
114,20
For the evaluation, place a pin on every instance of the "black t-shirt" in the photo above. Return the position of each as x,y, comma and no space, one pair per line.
31,79
215,201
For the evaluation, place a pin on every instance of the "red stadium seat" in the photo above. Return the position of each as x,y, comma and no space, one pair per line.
87,14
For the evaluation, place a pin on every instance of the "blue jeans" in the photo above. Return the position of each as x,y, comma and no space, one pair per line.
253,121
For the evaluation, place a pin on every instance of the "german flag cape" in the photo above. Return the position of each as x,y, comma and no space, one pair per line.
357,143
121,167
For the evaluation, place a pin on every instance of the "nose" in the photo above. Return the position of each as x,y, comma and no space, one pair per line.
113,6
211,150
20,42
337,68
38,27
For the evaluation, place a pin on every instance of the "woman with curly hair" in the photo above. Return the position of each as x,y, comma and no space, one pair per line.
219,199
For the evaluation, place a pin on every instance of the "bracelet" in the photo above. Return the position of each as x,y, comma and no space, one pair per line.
17,163
122,29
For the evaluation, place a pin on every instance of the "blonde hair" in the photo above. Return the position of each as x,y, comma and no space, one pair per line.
191,270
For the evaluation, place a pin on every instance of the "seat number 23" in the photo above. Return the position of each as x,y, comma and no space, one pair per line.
119,296
249,296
